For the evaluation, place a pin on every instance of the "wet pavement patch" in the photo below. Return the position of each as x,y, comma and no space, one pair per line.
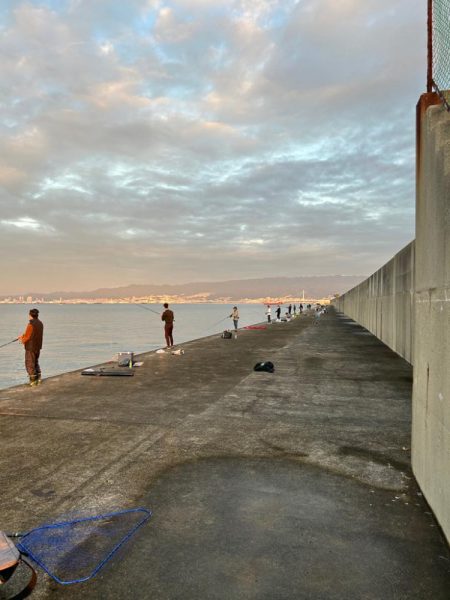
376,457
231,528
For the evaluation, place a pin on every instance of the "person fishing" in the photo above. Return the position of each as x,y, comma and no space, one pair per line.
235,316
269,313
168,318
32,341
278,311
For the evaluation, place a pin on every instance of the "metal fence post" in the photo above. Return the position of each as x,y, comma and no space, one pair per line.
430,47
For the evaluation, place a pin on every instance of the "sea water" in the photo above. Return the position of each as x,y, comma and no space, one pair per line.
83,335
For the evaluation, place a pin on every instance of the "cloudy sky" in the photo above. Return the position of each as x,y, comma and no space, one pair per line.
166,141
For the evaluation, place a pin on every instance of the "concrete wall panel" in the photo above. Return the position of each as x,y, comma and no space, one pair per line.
406,304
431,393
383,303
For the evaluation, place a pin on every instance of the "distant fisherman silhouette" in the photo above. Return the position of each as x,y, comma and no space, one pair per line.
168,318
32,340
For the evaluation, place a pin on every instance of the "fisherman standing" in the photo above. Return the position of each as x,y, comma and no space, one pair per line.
235,316
290,308
278,311
168,318
32,340
269,313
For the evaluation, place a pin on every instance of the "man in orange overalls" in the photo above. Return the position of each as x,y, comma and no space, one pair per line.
32,340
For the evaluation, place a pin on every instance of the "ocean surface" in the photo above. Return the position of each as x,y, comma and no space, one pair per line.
84,335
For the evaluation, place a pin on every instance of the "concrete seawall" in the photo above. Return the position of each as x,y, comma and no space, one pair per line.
431,392
384,303
406,304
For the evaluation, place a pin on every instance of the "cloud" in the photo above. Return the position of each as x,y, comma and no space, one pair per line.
28,224
205,139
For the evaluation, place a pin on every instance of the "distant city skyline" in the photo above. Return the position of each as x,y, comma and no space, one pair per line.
220,291
169,141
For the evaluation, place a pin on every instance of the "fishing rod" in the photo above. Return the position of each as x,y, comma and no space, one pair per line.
205,330
227,317
147,308
216,323
7,343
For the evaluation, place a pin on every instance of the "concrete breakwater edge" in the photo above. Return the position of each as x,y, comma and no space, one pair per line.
295,484
80,335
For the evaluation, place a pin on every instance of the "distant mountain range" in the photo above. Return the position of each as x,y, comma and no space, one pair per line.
238,289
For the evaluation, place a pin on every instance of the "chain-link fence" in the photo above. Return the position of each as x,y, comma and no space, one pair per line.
440,47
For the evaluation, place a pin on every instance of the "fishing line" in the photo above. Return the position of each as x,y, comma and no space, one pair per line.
216,323
204,330
7,343
147,308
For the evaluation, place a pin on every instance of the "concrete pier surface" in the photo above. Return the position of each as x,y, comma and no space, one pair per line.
291,485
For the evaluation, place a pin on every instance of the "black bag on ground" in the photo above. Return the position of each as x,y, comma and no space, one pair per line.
227,335
267,366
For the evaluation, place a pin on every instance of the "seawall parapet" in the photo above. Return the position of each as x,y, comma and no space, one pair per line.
384,303
431,391
406,304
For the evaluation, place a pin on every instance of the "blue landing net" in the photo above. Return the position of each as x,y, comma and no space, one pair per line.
73,551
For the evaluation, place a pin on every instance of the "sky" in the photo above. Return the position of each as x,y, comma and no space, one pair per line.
168,141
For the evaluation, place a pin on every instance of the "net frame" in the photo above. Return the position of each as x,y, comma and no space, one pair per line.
24,549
